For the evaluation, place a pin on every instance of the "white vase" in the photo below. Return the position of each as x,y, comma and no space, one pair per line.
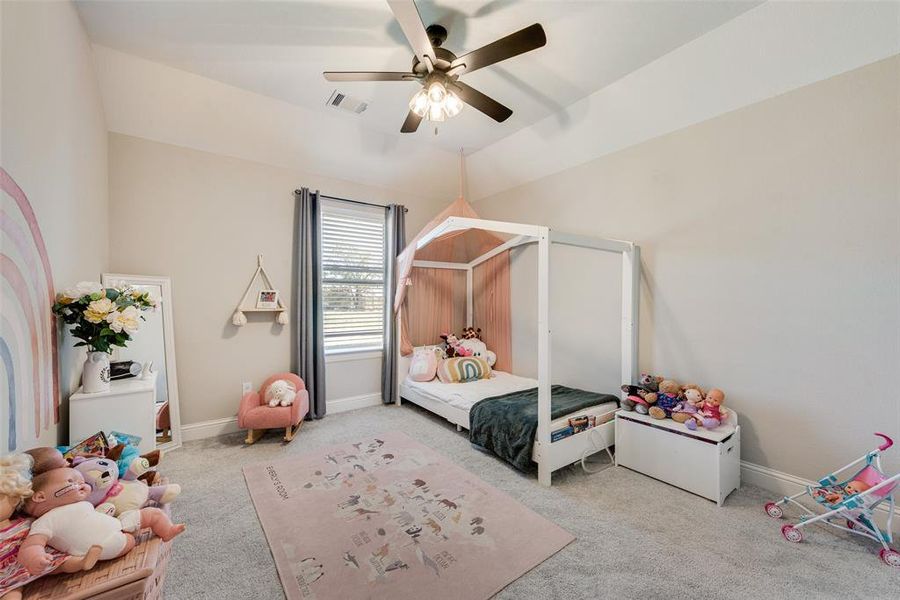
95,377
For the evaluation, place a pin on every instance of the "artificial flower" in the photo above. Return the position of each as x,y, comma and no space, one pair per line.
83,288
63,299
97,311
126,319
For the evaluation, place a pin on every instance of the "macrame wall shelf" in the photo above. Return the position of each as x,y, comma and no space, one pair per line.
239,319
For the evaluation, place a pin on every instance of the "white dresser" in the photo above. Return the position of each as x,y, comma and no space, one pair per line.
128,407
705,462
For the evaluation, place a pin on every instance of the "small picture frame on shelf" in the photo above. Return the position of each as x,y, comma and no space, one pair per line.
267,299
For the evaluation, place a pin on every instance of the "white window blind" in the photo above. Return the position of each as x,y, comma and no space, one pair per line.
352,276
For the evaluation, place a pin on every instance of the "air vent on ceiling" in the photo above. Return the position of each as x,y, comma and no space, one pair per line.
345,102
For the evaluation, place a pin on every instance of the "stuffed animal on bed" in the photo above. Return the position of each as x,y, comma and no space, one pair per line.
478,349
452,346
470,333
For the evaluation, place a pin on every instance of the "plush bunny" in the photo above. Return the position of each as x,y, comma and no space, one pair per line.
280,393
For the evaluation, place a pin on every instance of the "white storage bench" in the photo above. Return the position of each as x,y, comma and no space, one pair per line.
707,463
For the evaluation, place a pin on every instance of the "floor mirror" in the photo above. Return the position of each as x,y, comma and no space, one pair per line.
152,351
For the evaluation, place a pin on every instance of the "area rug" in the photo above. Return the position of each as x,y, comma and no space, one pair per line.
387,517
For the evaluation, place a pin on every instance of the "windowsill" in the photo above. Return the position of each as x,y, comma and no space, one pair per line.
351,355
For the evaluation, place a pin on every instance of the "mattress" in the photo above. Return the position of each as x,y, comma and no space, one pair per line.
464,395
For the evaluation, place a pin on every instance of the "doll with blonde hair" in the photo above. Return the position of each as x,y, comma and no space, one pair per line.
15,488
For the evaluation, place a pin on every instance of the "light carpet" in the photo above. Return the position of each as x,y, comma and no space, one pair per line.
636,537
388,518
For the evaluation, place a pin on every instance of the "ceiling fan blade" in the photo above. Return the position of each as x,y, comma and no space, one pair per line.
514,44
407,16
368,76
411,123
479,101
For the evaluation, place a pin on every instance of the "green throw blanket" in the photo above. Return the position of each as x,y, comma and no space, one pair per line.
506,425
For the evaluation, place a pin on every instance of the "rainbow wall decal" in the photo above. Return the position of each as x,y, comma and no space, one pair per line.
29,371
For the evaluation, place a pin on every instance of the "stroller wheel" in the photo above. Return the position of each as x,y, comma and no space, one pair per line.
890,557
792,534
851,524
774,511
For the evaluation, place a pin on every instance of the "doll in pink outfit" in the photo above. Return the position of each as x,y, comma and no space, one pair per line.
712,413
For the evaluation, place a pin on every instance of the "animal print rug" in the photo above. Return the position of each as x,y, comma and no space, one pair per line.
387,517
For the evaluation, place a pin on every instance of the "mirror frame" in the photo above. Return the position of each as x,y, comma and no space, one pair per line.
165,285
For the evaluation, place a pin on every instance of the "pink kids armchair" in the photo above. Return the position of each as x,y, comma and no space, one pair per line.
256,416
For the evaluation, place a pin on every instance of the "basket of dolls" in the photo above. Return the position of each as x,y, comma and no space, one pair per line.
84,526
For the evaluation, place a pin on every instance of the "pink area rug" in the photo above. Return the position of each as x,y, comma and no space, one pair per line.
387,517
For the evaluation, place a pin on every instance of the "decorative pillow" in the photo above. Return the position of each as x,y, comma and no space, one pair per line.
462,369
424,364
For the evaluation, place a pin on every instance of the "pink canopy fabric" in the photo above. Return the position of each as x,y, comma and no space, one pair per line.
434,299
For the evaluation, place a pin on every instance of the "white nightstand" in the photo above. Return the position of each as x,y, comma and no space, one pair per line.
705,462
127,407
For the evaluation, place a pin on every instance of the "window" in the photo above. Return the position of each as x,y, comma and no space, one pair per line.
352,276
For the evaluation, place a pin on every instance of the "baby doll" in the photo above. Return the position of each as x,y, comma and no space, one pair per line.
15,486
712,413
689,407
67,522
668,396
851,489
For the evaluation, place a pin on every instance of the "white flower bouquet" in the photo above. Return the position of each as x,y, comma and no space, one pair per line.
102,317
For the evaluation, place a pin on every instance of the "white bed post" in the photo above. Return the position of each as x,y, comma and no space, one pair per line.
470,296
631,302
543,435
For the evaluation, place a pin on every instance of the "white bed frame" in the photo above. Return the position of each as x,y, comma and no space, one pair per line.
548,456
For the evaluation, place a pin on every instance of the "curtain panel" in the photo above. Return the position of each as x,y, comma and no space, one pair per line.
308,360
394,242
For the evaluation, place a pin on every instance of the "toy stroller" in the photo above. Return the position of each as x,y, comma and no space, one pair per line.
849,503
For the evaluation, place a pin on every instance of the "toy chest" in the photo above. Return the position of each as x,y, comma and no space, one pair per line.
705,462
139,575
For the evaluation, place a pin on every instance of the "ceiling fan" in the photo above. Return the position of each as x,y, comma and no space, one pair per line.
438,70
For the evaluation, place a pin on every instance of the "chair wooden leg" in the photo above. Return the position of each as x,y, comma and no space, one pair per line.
290,432
253,435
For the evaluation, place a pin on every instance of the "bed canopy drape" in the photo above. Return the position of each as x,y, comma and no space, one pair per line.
431,301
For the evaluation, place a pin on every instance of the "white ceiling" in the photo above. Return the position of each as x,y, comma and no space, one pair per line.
280,48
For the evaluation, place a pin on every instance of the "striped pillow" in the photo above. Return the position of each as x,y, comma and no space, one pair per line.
462,369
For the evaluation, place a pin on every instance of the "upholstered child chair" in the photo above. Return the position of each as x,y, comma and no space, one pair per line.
256,416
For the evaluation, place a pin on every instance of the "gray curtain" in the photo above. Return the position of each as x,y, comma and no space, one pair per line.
308,360
395,242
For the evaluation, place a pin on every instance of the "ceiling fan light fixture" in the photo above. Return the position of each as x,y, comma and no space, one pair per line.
436,112
452,104
437,92
419,103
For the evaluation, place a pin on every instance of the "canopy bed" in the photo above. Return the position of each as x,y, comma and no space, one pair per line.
459,243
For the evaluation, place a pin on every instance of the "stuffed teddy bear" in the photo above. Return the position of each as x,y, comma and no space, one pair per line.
66,521
639,397
15,488
470,333
115,496
689,407
666,399
280,393
712,413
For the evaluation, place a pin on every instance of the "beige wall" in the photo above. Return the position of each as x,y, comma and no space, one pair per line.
54,145
201,219
771,251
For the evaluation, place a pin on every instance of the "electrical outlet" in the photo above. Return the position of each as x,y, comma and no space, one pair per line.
247,386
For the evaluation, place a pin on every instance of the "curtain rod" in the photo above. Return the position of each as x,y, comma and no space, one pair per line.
354,201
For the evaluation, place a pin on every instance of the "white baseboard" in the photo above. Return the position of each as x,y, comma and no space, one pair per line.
207,429
216,427
353,402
